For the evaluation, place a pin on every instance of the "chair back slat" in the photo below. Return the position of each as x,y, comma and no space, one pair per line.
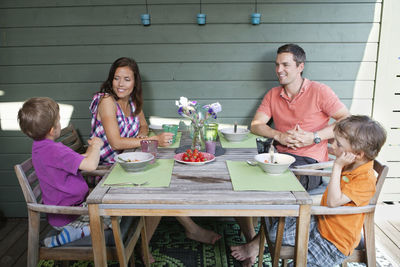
382,171
32,177
37,191
70,137
20,170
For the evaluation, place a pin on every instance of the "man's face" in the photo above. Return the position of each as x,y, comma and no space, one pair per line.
286,68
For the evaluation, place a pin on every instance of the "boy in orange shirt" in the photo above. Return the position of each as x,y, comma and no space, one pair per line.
358,140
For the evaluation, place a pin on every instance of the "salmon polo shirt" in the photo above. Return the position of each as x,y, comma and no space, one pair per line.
311,109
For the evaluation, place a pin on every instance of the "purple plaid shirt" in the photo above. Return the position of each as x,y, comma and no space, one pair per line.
128,127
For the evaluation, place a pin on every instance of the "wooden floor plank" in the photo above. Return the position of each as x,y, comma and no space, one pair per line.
7,228
13,230
391,232
384,244
13,236
17,245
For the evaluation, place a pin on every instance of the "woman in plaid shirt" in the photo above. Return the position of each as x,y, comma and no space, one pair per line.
118,119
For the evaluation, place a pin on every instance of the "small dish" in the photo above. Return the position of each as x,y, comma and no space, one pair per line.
157,129
282,162
231,136
134,161
208,156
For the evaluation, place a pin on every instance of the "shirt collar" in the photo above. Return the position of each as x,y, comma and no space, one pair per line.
303,88
361,169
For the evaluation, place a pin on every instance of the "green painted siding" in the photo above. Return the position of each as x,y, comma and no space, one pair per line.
63,49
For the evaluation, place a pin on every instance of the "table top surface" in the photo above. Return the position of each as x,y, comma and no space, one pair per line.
207,184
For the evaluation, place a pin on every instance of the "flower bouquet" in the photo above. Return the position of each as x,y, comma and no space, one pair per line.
198,115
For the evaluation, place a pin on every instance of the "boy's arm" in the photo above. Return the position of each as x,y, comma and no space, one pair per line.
335,196
92,155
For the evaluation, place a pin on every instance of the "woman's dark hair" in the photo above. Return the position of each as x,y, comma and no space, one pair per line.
136,94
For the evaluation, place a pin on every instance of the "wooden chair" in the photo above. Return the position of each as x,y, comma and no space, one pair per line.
69,136
125,239
365,252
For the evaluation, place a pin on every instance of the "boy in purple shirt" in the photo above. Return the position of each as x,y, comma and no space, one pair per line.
57,167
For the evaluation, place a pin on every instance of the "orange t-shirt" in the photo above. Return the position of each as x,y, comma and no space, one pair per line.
311,109
344,231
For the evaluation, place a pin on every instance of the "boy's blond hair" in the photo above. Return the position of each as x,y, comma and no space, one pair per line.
37,116
363,134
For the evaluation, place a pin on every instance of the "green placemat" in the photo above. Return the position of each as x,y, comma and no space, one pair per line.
174,145
245,177
157,174
249,142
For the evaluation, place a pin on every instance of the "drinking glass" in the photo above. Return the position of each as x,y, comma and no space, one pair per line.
171,128
150,146
211,132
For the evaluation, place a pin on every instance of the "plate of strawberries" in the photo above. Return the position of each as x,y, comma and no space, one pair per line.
194,157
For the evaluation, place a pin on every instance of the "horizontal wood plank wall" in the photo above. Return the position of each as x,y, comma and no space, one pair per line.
386,107
63,49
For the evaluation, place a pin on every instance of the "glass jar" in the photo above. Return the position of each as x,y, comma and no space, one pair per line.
197,135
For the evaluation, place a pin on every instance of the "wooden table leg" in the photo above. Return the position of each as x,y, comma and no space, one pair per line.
302,235
98,239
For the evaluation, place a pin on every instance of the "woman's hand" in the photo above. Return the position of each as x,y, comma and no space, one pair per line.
165,139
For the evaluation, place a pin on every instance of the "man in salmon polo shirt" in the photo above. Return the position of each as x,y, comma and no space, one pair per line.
301,110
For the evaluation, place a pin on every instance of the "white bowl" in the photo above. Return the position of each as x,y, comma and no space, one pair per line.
157,129
283,162
231,136
137,160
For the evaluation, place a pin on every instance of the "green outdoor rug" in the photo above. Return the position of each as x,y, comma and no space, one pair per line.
171,248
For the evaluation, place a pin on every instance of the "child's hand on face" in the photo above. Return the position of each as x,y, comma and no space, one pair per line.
346,158
96,142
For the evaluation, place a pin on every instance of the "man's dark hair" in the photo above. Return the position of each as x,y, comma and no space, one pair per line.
298,53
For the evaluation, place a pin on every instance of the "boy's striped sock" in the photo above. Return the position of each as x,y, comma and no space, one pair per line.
67,235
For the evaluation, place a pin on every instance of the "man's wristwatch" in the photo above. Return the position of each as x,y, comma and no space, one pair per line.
317,139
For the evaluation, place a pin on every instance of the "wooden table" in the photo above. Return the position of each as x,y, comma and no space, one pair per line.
204,190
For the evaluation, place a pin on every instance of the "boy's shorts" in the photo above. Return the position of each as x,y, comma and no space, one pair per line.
83,221
321,252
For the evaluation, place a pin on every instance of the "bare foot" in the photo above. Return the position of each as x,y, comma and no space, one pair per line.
249,262
246,253
151,259
204,236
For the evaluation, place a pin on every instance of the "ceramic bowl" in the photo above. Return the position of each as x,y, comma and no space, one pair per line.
231,136
134,161
282,162
157,129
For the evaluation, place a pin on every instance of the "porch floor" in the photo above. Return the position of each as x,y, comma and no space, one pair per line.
14,234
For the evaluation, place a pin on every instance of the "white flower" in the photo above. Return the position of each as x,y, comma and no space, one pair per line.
197,114
183,102
216,107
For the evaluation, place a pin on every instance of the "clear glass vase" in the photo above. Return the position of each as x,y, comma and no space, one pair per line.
197,137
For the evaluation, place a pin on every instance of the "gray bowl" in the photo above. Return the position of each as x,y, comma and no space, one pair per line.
134,161
231,136
282,162
157,129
